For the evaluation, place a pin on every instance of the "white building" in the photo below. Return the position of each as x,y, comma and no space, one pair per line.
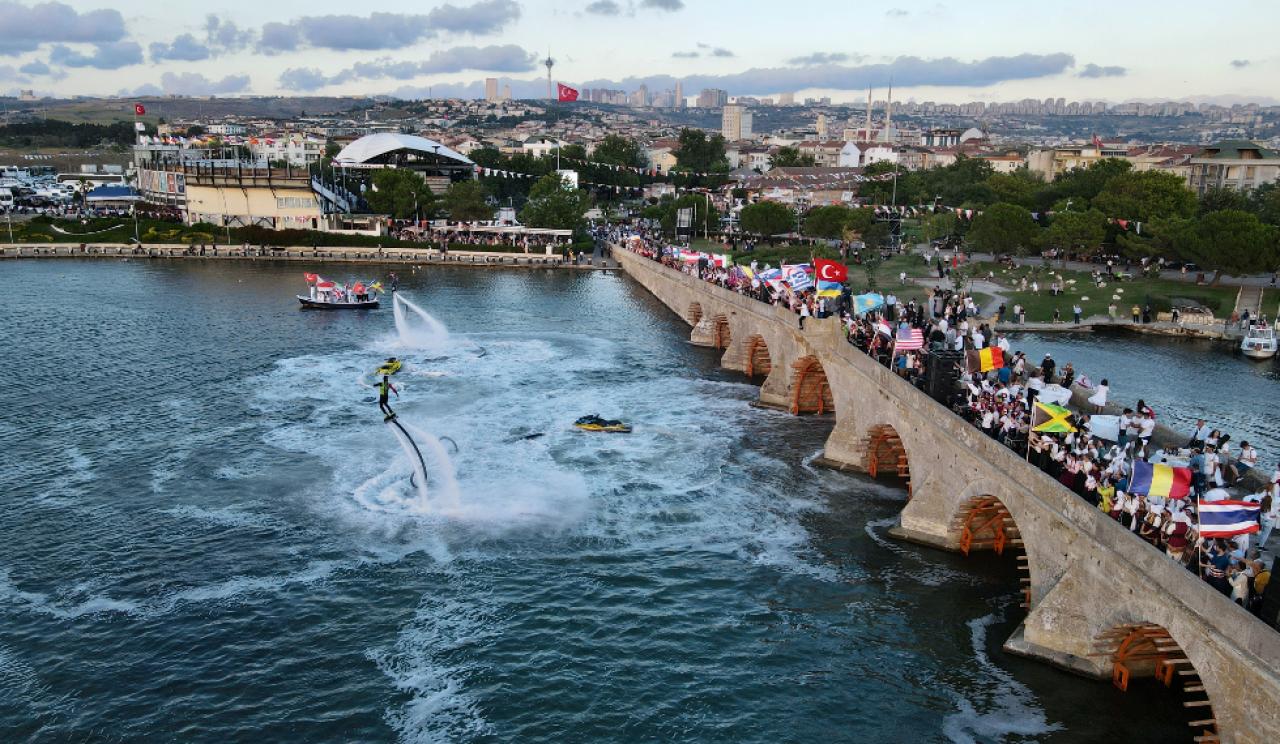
735,122
226,130
294,150
862,154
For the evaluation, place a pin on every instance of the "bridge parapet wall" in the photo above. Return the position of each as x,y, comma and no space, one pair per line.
1088,573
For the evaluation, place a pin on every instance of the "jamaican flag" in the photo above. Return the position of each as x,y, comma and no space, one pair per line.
1051,419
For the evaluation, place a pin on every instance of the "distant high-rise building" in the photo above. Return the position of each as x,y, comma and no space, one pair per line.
712,98
787,99
822,126
643,94
679,102
506,92
735,122
491,89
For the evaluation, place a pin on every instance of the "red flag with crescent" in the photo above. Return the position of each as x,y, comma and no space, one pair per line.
831,271
311,278
139,109
566,93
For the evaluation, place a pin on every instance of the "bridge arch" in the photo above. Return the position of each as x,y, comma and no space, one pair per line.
721,333
757,359
984,523
694,314
1147,650
810,390
886,454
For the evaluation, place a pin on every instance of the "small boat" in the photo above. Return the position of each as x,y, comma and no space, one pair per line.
1259,341
322,304
389,367
327,295
595,423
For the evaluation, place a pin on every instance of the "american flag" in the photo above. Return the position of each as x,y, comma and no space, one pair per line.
909,339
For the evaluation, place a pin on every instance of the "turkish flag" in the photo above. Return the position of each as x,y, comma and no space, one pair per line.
566,93
139,109
831,271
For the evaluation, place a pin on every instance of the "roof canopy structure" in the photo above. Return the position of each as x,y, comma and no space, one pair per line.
400,151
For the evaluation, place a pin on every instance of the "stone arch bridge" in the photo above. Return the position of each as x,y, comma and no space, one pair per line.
1100,602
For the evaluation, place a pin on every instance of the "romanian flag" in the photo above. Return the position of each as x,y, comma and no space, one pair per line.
1051,419
1164,481
984,360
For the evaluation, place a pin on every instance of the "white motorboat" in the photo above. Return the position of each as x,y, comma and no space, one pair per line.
1259,341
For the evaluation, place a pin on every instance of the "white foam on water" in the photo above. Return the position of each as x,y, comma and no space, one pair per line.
439,708
44,604
415,327
1010,709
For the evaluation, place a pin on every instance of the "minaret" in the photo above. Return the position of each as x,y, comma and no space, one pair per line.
888,117
866,137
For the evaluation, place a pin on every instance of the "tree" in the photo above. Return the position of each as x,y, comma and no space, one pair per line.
705,218
1083,184
1218,199
1265,200
1145,195
615,149
791,157
1229,241
400,193
467,201
835,221
554,205
1076,231
699,154
876,236
767,218
1004,229
1019,187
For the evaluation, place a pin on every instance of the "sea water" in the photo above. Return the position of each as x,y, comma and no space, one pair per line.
210,534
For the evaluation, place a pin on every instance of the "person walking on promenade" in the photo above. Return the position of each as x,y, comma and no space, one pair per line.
385,388
1077,311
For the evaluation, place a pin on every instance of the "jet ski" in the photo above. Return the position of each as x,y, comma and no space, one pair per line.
389,367
595,423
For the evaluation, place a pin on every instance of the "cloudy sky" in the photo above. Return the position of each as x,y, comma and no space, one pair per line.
991,50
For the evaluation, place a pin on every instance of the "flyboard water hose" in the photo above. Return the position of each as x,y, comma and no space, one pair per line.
422,462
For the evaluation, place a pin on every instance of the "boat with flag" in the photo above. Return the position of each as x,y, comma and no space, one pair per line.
324,294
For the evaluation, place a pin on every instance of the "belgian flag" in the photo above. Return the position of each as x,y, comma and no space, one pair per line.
984,360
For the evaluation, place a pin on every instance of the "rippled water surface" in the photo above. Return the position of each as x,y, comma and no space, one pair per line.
209,535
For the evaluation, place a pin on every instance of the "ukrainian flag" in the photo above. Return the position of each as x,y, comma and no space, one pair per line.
829,289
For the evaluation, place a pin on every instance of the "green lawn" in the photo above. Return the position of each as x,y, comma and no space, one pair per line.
1094,300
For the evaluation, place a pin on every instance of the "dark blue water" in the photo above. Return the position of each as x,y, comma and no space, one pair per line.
209,534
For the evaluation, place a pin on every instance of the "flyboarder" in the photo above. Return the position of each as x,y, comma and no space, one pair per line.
384,388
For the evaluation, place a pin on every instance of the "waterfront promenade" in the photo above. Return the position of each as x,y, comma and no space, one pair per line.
351,255
1091,588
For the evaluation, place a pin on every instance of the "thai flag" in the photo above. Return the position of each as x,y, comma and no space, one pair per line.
1228,518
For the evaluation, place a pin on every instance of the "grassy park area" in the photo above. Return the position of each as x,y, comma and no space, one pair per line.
1095,299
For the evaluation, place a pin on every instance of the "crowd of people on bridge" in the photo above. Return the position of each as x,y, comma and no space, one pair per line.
1001,401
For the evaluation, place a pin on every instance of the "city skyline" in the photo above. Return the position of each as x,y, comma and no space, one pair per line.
137,47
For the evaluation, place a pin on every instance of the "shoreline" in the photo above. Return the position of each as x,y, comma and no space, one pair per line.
424,255
1219,330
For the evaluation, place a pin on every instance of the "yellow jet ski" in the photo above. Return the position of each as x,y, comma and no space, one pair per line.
389,367
595,423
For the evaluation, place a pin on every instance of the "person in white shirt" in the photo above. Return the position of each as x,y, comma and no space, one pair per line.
1146,427
1248,458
